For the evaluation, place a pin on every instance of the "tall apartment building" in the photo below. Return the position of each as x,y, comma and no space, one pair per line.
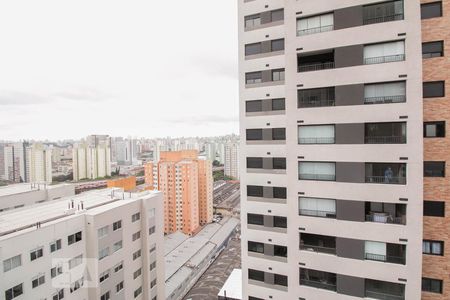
91,162
186,182
331,112
39,163
102,244
14,162
231,164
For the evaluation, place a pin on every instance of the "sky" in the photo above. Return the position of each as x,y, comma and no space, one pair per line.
124,68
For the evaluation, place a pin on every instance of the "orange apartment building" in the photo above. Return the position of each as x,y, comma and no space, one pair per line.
436,116
128,183
186,182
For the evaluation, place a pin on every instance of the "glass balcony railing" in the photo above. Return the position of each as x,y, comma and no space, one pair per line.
319,249
385,139
385,179
382,296
301,32
325,177
317,140
385,99
385,258
381,19
330,286
317,213
385,218
384,59
315,66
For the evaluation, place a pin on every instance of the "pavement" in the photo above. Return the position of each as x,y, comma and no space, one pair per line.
210,283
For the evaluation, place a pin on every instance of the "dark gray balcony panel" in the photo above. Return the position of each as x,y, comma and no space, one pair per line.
350,210
267,105
348,17
349,56
267,163
267,76
266,17
268,221
349,248
269,249
349,285
267,134
269,278
352,94
352,133
267,192
265,46
350,172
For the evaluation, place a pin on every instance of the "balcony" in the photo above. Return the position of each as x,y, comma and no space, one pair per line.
385,99
317,140
386,173
301,32
317,213
383,12
382,296
318,279
318,243
383,290
388,213
314,176
316,97
384,59
385,133
382,19
385,258
315,62
385,252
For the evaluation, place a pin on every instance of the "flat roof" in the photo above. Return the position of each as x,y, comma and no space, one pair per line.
94,202
233,285
20,188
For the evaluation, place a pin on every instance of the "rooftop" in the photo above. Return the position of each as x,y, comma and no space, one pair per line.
20,188
233,285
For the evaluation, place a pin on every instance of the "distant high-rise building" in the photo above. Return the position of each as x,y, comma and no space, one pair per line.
211,151
231,164
91,162
186,182
14,162
39,163
94,140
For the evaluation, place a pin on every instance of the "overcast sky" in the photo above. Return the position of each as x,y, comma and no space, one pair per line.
140,68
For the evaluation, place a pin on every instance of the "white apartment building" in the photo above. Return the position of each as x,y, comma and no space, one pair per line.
91,162
103,244
14,162
231,164
39,163
331,149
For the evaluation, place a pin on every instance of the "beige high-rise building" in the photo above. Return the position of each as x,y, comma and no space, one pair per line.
231,164
39,163
186,182
91,162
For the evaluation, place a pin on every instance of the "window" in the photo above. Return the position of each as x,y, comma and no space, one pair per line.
255,275
151,230
277,45
433,247
117,225
105,296
256,247
136,217
14,292
152,248
316,97
277,15
255,219
136,235
117,246
385,133
432,285
255,191
119,287
252,49
280,222
152,266
58,295
278,134
137,273
35,254
431,10
317,207
137,292
383,12
136,254
316,134
433,89
103,253
278,75
153,283
254,134
389,92
434,168
280,251
315,24
118,267
384,52
76,261
74,238
103,276
102,232
432,49
55,271
278,104
252,21
317,171
279,192
12,263
280,280
254,162
253,106
37,281
279,163
254,77
56,245
434,129
76,285
434,208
